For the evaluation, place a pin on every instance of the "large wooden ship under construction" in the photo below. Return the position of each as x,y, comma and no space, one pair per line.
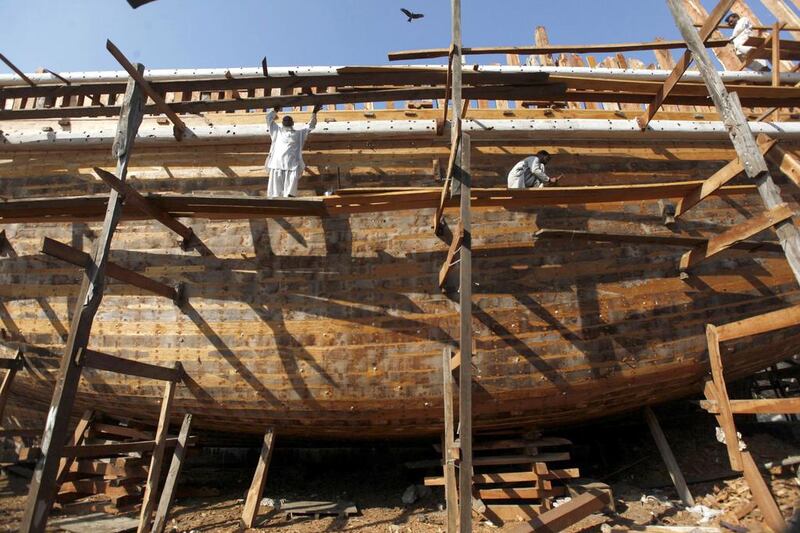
323,315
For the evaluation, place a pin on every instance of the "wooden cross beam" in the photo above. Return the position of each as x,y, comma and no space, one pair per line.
120,365
118,448
455,245
76,257
42,489
134,198
17,71
706,31
448,180
178,124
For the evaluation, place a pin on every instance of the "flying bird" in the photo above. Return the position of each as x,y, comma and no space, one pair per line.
411,16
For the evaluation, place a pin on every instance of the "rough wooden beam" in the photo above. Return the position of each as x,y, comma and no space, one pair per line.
734,235
134,198
154,472
668,457
76,257
729,108
765,406
761,494
43,484
118,448
17,71
168,492
565,514
705,33
720,394
253,500
111,363
11,366
179,126
404,55
455,245
718,179
787,163
448,441
78,437
755,325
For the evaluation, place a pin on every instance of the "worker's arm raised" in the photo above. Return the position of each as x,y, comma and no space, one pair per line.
313,122
271,126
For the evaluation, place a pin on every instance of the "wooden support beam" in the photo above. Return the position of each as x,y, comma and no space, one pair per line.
17,71
657,240
736,234
720,394
43,484
719,178
253,500
134,198
705,33
730,109
78,436
76,257
404,55
448,84
154,473
111,363
180,128
455,245
776,54
756,51
755,325
455,146
448,441
168,492
765,406
11,366
118,448
761,494
788,163
565,514
668,457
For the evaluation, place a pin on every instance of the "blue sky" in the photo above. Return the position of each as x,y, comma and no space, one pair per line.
70,35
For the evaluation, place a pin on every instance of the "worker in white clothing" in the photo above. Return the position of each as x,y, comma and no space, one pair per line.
285,161
530,172
742,30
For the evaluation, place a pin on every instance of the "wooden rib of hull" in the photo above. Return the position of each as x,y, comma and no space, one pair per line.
333,328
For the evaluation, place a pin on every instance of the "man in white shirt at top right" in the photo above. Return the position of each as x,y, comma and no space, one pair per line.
742,30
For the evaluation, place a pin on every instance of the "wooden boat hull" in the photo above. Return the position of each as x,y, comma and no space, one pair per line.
334,327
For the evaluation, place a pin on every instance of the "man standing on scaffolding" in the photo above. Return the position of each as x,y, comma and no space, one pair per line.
285,161
742,30
530,172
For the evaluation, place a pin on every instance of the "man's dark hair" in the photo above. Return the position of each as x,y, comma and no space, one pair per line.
287,121
542,154
732,19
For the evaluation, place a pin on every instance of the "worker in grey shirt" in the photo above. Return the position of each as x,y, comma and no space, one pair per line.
530,172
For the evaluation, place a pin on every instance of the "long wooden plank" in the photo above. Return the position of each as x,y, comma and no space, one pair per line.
154,472
404,55
761,494
119,448
718,179
659,240
141,203
668,457
42,489
120,365
755,325
72,255
729,108
734,235
168,492
721,396
565,514
764,406
512,477
161,104
253,500
448,442
787,163
683,63
519,493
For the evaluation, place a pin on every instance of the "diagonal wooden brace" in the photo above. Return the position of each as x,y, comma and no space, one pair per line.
455,245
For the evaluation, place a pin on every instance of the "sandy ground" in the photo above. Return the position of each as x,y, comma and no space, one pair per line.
624,456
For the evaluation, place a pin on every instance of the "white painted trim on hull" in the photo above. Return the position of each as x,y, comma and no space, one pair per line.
32,137
255,72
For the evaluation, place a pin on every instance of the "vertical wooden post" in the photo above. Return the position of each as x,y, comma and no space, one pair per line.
776,55
669,459
42,489
77,439
168,493
253,500
8,379
721,391
744,143
455,83
154,475
761,494
448,441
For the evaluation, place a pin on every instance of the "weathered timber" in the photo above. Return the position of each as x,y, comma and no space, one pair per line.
72,255
668,457
761,494
764,406
455,245
448,441
720,394
683,63
168,492
102,361
566,514
253,500
11,366
755,325
730,109
111,450
787,163
42,488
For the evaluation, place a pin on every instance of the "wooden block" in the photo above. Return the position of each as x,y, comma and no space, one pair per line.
519,493
565,514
